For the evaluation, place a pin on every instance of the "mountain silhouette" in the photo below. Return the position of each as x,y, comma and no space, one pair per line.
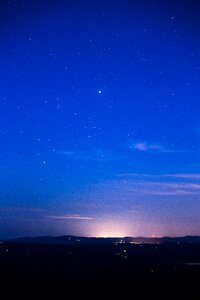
72,240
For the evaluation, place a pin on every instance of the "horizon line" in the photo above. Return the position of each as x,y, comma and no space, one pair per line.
99,237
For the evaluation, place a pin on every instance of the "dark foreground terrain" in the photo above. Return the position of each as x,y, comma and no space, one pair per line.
118,270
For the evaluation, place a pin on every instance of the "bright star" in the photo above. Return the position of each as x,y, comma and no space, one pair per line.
99,91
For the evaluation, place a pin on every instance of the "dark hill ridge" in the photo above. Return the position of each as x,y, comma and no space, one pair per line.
72,240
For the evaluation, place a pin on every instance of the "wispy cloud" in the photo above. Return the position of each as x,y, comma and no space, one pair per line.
190,176
177,176
144,146
119,153
133,185
166,189
75,217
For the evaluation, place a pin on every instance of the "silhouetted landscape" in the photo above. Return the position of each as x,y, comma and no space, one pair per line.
72,240
107,267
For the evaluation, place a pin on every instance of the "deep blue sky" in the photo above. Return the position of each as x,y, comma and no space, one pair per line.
99,118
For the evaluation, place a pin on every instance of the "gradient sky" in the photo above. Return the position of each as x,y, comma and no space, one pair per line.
99,118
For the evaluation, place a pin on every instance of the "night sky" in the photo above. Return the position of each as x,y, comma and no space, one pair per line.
99,118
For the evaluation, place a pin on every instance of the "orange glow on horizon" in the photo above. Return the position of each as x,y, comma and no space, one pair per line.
110,230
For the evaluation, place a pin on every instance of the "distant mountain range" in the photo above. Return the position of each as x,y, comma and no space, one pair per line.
73,240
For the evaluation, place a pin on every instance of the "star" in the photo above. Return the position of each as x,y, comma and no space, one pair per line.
99,91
